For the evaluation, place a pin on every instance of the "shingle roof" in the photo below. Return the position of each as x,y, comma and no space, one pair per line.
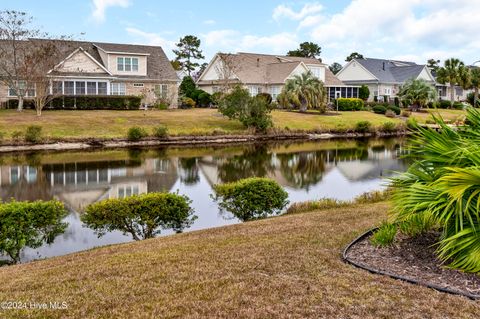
272,69
158,65
391,71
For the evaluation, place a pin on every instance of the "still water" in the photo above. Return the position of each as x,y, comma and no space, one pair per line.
339,169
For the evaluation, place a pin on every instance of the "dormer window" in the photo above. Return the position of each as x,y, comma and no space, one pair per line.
127,64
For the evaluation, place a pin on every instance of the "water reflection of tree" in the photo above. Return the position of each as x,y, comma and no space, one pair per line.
255,161
302,169
189,170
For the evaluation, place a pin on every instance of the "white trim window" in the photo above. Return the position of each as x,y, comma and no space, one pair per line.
275,91
117,89
22,86
69,87
161,90
102,88
127,64
254,90
387,91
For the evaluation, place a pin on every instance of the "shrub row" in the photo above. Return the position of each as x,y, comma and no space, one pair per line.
349,104
136,133
382,109
103,102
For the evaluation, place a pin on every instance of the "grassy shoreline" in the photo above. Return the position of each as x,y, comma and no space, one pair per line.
71,125
287,266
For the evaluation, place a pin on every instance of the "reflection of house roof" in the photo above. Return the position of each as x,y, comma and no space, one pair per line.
363,170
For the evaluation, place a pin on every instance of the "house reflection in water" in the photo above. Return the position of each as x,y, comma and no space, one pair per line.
80,184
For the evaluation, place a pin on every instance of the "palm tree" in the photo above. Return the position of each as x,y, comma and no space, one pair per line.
443,185
417,92
473,82
451,73
305,91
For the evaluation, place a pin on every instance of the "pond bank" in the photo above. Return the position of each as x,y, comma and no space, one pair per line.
193,140
283,266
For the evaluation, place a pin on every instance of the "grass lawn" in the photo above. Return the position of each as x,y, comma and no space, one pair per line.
111,124
449,115
289,266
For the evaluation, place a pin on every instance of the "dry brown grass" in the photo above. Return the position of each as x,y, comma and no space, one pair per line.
115,124
284,267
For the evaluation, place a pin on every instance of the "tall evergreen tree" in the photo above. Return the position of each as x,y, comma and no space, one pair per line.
188,51
307,50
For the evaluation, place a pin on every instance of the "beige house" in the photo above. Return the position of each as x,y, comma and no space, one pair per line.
263,73
385,77
94,68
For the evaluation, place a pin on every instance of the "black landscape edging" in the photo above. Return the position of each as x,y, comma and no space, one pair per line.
402,278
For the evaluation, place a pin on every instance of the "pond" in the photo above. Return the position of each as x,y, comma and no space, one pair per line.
341,169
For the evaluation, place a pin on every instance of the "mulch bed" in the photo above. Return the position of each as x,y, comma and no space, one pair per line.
415,259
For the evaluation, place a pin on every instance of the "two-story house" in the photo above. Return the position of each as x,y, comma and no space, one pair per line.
263,73
94,68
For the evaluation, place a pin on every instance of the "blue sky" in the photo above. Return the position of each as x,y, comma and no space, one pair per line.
396,29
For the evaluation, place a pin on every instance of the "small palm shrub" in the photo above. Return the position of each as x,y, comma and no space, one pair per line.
251,198
384,236
363,127
33,134
160,131
136,133
443,184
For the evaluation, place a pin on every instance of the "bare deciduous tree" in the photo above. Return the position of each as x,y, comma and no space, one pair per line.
225,69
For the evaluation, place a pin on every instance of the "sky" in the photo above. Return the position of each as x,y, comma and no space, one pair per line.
412,30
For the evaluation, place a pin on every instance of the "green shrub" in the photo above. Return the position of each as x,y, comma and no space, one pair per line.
33,134
216,98
379,109
251,198
444,104
160,131
136,133
384,236
187,103
364,92
349,104
161,105
395,109
98,102
389,127
204,99
142,216
363,127
250,111
187,87
396,102
266,96
29,224
17,135
390,113
458,105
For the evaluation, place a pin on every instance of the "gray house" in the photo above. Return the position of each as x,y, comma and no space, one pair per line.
383,77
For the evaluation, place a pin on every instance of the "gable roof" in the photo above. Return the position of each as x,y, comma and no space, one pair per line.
158,64
391,71
258,68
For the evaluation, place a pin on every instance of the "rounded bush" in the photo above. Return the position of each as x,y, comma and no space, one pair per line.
266,96
142,216
33,134
204,99
379,109
389,127
395,109
160,131
458,106
444,104
136,133
363,127
251,198
188,103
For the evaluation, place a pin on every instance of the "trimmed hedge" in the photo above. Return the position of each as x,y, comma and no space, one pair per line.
395,109
143,216
27,104
379,109
95,102
251,198
350,104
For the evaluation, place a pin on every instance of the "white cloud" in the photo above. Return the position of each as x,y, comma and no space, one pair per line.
412,29
150,38
234,41
100,6
209,22
283,11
